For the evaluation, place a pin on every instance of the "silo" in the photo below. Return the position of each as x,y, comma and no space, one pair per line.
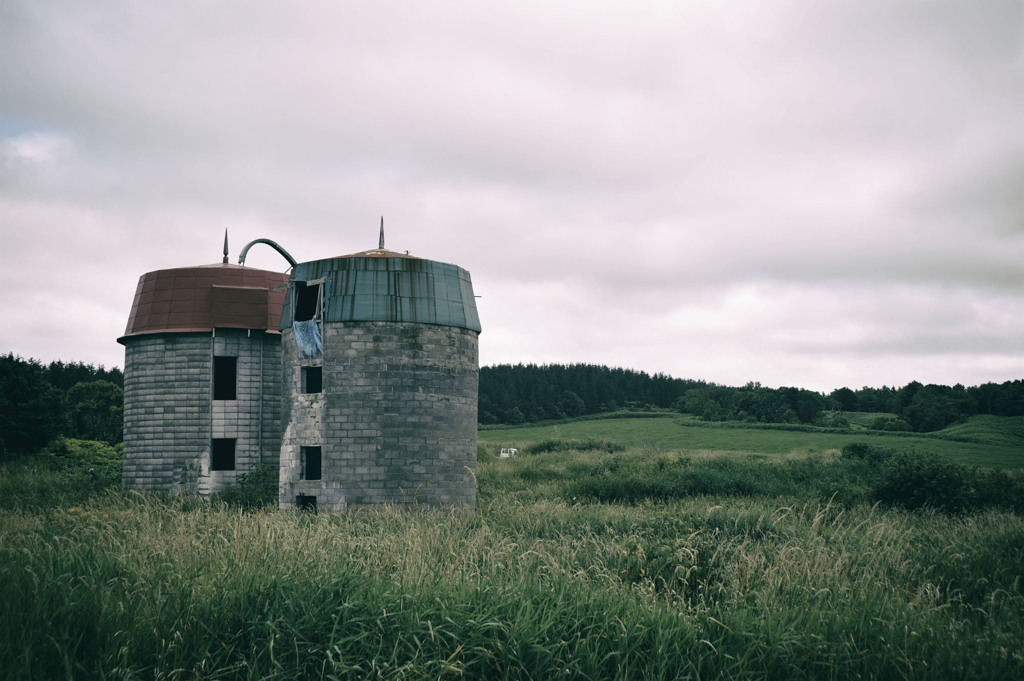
202,391
380,379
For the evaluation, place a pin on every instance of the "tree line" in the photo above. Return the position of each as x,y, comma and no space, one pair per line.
512,394
39,402
530,392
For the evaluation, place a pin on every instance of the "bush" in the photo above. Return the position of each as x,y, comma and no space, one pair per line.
838,421
860,451
483,453
83,456
914,480
997,488
890,423
254,490
588,445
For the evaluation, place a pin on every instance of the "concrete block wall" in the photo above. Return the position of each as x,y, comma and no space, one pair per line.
167,379
244,418
396,421
170,416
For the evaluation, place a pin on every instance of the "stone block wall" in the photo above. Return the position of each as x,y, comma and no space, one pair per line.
396,421
171,418
167,380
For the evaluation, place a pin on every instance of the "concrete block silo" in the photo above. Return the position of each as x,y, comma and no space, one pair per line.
202,390
380,379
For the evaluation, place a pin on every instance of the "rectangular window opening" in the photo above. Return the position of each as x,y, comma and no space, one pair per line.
225,378
222,454
312,380
311,458
307,300
306,502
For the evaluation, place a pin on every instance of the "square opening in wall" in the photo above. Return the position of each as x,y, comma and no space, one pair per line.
305,502
312,380
222,454
307,300
311,458
225,378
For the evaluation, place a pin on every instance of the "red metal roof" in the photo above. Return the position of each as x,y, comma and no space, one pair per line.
204,297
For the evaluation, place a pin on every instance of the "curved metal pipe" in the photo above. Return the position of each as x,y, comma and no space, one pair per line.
272,244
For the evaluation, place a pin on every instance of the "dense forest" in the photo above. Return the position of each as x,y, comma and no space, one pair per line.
520,393
41,402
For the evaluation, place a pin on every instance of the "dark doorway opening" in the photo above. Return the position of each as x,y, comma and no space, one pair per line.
305,502
222,454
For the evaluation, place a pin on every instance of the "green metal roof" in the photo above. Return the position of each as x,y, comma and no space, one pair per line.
382,286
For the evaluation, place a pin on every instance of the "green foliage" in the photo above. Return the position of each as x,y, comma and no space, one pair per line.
834,420
560,445
914,480
865,452
484,454
997,430
65,375
996,488
83,456
701,403
989,444
96,411
933,407
38,403
31,409
531,393
753,403
665,478
890,423
39,484
253,490
132,585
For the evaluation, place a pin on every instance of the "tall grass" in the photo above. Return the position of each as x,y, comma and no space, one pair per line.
533,586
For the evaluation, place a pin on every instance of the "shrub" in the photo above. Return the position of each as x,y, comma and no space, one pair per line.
997,488
483,453
559,445
838,421
860,451
915,480
254,490
890,423
83,456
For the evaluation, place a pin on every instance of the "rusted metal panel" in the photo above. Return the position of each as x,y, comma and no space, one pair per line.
201,298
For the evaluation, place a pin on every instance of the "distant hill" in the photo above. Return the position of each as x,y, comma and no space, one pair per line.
529,393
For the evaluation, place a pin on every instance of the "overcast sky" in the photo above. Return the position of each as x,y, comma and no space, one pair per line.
811,194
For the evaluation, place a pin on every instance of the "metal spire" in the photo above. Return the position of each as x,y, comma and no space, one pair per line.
225,260
381,245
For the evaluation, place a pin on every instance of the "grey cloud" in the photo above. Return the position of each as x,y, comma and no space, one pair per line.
644,184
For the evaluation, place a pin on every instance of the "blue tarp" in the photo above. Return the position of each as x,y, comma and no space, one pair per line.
307,338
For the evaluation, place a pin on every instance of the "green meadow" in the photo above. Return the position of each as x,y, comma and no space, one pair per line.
628,548
981,441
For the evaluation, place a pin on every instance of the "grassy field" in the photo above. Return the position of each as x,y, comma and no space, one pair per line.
981,441
623,558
